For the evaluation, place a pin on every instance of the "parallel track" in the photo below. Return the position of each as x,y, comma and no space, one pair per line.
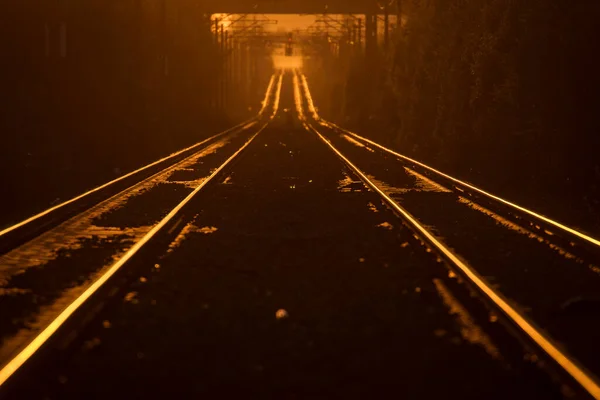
69,313
493,297
516,317
21,232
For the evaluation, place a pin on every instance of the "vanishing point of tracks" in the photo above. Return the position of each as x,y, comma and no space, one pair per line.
574,250
516,282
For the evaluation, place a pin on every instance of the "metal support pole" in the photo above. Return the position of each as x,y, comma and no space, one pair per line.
255,79
386,26
244,71
216,30
222,71
217,61
234,68
399,14
248,73
360,33
370,35
239,71
226,64
230,65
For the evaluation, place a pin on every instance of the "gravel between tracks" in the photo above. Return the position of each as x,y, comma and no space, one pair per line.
291,282
558,291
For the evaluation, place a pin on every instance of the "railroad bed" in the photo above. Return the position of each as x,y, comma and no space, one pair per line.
285,273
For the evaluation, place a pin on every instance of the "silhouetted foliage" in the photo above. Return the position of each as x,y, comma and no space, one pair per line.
94,88
502,92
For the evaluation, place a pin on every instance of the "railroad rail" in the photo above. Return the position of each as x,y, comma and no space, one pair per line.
142,240
21,232
180,161
495,299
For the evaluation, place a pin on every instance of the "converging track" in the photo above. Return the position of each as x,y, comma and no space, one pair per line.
309,267
544,266
46,279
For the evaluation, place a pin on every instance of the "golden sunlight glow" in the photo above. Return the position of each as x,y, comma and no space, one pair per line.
569,365
298,97
470,330
518,318
277,95
267,22
243,125
10,368
25,354
309,99
290,22
287,62
224,19
556,224
265,102
563,227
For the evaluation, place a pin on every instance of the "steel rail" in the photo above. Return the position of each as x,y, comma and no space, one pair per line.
108,184
464,184
26,353
542,340
583,377
244,125
12,366
536,215
265,102
277,95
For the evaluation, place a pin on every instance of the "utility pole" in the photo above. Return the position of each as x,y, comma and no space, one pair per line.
217,61
244,70
222,71
226,60
386,25
163,102
229,60
239,66
359,34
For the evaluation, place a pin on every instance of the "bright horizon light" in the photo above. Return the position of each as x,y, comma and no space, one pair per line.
287,62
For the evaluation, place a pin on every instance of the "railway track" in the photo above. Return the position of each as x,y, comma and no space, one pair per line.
287,277
14,235
19,233
53,262
539,276
290,269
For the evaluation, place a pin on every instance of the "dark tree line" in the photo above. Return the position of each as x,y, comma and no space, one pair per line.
93,88
501,92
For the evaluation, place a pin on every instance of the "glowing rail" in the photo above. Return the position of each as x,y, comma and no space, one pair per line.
569,365
244,125
13,365
309,99
277,95
265,102
25,354
534,214
578,373
298,97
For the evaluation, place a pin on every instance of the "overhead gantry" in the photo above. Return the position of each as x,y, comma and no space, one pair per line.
294,6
